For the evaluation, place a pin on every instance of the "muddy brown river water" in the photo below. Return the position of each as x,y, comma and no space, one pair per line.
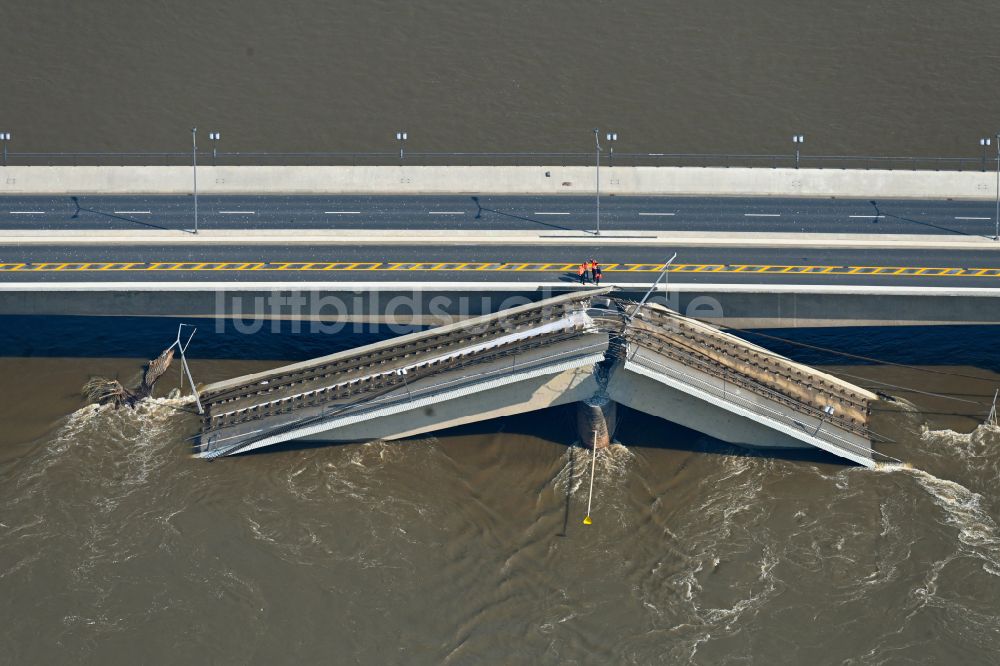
118,547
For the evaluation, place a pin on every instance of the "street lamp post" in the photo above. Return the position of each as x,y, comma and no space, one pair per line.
194,173
611,137
827,411
5,137
214,137
401,137
985,143
798,140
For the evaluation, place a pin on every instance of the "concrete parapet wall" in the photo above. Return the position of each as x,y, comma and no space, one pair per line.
527,180
743,306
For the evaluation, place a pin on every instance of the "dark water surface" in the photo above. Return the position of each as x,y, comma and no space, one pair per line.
897,77
118,547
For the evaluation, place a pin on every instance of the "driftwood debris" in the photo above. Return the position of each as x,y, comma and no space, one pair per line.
111,391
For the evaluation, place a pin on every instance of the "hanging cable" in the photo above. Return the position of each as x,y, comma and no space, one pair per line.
848,354
909,390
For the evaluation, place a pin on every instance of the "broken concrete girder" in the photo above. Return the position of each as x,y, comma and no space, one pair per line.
577,347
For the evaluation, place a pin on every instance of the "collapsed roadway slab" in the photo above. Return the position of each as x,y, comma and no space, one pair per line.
588,348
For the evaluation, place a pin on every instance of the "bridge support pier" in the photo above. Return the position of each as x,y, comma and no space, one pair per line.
599,414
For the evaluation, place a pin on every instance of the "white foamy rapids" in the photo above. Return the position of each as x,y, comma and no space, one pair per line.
93,437
963,509
721,570
359,483
611,467
102,469
982,444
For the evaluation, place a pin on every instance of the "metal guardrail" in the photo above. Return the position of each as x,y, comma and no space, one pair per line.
737,380
419,158
385,381
686,351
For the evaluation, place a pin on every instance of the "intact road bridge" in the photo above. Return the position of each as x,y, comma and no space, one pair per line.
466,212
763,261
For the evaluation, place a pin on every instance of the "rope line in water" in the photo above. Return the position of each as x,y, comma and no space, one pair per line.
593,466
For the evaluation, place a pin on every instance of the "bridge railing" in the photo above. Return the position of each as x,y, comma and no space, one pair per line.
459,158
737,380
401,393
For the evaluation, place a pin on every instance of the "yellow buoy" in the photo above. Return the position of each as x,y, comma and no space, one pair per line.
587,521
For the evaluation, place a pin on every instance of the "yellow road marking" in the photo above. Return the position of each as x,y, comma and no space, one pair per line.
472,266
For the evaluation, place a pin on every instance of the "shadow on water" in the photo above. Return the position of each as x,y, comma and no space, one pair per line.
138,337
569,492
971,345
639,430
63,336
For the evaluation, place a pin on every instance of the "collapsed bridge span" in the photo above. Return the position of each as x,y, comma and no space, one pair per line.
587,347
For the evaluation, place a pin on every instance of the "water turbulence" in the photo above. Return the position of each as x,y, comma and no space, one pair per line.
112,392
112,539
589,348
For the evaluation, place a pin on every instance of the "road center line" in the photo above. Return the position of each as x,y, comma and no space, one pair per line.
27,212
973,218
133,212
237,212
761,214
656,214
343,212
537,213
868,217
446,212
214,266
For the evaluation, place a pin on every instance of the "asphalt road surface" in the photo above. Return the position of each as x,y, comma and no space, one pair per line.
497,263
467,212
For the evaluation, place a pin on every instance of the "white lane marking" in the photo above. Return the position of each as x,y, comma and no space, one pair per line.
133,212
537,213
973,218
343,212
658,214
237,212
761,214
867,217
446,212
27,212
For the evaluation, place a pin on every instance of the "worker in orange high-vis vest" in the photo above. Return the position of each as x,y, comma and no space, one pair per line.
597,274
582,272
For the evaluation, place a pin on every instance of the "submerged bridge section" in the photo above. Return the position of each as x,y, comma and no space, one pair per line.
588,348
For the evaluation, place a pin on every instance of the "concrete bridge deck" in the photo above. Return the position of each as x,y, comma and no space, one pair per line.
586,347
486,353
